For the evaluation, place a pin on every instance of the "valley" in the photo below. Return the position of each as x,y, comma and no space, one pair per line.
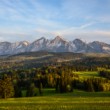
60,81
42,58
54,54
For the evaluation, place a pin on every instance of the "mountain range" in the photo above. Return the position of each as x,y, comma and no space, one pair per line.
58,44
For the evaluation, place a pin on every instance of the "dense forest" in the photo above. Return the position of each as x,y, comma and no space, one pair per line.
29,76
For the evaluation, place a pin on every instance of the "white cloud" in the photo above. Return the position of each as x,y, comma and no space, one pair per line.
87,25
69,34
38,19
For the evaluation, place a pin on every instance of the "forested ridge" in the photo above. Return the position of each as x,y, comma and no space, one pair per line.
31,73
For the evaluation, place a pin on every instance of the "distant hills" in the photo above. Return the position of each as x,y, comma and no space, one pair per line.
58,44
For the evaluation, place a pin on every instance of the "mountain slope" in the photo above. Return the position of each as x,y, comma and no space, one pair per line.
37,45
58,44
13,48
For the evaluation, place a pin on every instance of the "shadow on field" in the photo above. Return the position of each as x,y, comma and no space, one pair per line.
76,93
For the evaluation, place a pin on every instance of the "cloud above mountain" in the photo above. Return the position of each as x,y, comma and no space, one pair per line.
31,19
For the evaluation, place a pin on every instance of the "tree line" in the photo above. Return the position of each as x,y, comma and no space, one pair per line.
30,82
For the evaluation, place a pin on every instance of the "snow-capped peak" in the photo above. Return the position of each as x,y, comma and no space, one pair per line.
78,41
40,41
60,38
26,43
58,44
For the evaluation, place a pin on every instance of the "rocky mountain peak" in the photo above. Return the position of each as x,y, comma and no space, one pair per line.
58,44
59,39
78,41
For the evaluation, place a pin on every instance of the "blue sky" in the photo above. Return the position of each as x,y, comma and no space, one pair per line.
32,19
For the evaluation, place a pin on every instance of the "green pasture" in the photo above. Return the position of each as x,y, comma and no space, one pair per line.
77,100
50,100
87,74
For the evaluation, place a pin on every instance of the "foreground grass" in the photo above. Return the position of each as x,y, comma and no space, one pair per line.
77,100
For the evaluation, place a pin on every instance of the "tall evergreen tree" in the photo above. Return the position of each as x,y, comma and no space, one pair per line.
6,87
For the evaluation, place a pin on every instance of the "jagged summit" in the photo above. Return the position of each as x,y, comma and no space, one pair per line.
58,44
26,43
60,38
78,41
42,38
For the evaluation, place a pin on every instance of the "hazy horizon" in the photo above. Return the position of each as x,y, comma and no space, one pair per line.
84,40
28,20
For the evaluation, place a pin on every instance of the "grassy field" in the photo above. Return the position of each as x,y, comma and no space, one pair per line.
87,74
78,100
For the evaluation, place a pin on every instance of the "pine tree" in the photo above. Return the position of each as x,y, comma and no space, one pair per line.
6,87
90,86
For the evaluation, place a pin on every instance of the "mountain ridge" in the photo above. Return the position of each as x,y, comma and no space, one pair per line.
58,44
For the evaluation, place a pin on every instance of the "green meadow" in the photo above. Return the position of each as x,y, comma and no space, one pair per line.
77,100
50,100
87,74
